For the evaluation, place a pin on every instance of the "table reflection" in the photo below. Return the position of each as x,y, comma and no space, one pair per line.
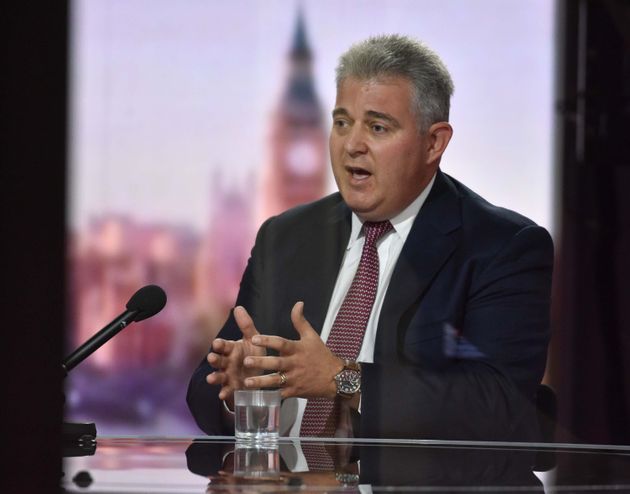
287,464
224,465
256,461
302,463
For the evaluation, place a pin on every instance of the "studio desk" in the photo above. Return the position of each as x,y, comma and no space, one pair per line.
219,464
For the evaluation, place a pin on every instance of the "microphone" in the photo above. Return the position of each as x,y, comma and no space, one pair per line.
146,302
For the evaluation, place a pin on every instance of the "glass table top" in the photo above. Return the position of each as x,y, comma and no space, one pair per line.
220,464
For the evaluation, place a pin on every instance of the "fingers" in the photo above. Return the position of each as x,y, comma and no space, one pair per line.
221,379
226,392
224,347
267,381
216,378
244,322
302,326
222,353
266,363
281,345
218,361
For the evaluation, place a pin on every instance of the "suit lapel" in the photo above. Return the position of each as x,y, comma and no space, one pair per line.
431,241
314,276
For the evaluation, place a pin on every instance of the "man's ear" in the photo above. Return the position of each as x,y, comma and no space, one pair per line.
439,135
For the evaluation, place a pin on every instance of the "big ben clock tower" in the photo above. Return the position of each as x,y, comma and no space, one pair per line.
296,171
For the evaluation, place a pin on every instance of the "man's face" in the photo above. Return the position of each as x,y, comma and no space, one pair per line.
380,160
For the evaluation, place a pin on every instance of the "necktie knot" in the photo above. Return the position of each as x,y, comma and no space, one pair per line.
373,230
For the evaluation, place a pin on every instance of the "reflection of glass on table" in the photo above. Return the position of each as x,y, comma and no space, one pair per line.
256,461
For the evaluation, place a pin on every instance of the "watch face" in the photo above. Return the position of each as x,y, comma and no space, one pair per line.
348,381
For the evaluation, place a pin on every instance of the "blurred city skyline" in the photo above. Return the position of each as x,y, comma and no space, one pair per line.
168,96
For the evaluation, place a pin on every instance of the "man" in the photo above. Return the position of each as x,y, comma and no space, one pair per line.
412,300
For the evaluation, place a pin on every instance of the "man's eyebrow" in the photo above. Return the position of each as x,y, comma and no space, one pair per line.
383,116
340,112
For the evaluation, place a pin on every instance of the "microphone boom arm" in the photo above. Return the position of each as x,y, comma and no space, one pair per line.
99,339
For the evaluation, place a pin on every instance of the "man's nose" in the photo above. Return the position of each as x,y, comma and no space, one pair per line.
355,143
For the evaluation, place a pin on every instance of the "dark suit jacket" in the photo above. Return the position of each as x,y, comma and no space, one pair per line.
484,270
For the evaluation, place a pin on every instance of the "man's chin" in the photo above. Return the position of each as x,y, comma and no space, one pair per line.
364,206
368,214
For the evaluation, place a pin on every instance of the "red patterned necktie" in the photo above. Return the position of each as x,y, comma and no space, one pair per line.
346,335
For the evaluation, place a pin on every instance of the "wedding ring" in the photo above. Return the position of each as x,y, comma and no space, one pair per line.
283,378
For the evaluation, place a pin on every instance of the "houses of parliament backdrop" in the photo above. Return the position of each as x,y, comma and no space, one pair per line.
192,122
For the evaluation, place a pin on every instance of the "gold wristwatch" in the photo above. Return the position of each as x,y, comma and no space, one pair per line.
348,380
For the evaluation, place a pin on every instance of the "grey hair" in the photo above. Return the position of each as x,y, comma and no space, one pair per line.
395,55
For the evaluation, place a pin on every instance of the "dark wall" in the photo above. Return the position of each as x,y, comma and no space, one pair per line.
591,348
33,197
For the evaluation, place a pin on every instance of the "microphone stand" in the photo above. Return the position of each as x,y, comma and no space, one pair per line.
79,439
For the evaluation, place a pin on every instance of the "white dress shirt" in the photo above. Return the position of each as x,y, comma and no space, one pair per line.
389,248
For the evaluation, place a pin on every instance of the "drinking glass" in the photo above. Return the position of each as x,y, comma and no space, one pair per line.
257,415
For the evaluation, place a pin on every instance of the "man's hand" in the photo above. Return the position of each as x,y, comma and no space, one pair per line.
308,364
227,357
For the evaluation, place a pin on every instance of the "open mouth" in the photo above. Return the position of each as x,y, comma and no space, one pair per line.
358,173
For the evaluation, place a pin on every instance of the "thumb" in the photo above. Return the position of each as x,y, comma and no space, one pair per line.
244,322
301,325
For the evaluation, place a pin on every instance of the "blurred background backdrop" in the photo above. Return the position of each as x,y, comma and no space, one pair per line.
191,123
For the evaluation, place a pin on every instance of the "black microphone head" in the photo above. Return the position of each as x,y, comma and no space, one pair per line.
148,301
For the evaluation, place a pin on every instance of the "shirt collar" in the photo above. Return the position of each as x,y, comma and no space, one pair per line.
402,222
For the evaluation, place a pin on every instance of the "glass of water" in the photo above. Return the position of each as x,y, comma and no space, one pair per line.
257,415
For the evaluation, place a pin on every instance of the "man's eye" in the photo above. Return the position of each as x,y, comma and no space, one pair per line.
340,123
379,129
